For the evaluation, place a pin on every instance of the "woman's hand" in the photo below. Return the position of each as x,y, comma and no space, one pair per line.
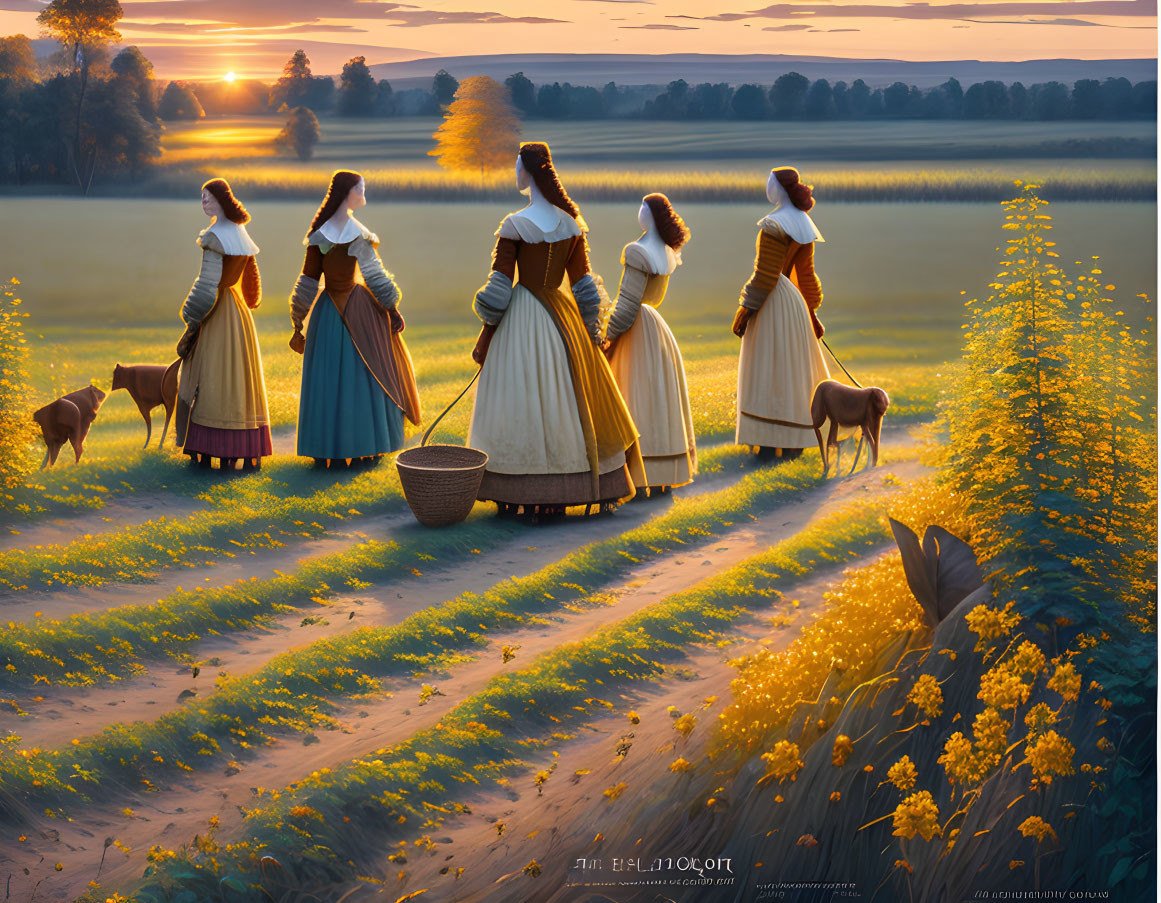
741,318
186,342
818,329
397,323
480,352
607,347
298,341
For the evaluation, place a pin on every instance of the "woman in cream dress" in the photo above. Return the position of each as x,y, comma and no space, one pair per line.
643,353
547,410
781,358
221,398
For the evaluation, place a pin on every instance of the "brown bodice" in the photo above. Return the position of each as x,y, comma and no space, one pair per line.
543,264
337,268
233,266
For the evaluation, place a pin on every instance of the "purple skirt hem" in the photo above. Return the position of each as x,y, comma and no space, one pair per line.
220,443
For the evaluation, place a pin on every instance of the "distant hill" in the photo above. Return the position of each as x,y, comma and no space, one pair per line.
643,69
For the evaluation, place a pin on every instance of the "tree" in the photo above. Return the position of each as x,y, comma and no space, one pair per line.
299,88
300,134
710,101
136,71
860,98
611,97
842,101
1116,98
357,89
523,92
953,91
895,99
1050,100
552,101
1019,101
384,98
480,129
77,25
748,102
819,103
1086,98
788,95
443,88
17,61
1145,98
179,102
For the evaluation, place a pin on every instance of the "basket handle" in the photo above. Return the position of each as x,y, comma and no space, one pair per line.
448,408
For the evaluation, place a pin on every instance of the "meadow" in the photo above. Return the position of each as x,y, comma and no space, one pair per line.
323,697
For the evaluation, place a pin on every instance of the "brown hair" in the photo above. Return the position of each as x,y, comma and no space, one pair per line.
537,159
342,181
800,193
232,208
671,227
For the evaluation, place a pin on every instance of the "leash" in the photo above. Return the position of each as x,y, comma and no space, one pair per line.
449,407
837,361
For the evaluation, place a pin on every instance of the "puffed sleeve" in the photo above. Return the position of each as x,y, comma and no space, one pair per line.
378,279
584,287
494,295
204,292
306,287
806,278
251,284
628,304
768,262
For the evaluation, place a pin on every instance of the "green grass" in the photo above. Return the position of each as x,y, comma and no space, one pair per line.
395,791
297,690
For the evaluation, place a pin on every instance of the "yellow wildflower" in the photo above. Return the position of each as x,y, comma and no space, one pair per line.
990,623
1003,688
1050,754
917,814
1039,717
1028,659
1035,826
782,762
843,747
1066,681
903,774
927,695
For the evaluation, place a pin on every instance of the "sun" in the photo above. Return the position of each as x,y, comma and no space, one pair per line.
230,76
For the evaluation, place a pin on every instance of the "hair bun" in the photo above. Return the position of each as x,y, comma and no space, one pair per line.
800,194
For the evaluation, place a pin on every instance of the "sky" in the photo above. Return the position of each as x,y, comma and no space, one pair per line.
202,38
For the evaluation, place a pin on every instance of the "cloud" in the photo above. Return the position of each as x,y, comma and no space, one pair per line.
214,28
1081,22
422,17
657,26
954,11
786,28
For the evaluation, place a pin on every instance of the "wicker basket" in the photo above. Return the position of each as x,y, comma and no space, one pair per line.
440,482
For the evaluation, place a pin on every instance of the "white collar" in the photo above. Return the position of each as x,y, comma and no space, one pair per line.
797,223
233,236
664,260
351,230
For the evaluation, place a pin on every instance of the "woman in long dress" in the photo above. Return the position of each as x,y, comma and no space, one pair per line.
357,378
547,409
643,353
221,399
781,358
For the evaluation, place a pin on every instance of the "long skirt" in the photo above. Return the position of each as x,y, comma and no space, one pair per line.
222,385
779,366
651,375
343,412
526,417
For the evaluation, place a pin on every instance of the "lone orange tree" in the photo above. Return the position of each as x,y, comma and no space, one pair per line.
480,129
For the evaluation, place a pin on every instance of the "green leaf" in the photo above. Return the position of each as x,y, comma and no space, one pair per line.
1120,870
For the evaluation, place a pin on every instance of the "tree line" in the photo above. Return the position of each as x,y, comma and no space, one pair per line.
792,96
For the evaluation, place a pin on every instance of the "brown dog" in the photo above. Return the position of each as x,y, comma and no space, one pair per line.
149,385
68,420
847,406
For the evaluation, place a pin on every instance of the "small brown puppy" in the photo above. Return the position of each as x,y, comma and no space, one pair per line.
68,420
149,385
847,406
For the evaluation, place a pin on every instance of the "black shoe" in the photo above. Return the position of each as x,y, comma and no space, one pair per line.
789,454
766,453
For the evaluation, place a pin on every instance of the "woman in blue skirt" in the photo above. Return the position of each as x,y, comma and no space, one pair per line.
357,379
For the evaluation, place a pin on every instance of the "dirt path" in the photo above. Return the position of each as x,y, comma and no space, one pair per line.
185,809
